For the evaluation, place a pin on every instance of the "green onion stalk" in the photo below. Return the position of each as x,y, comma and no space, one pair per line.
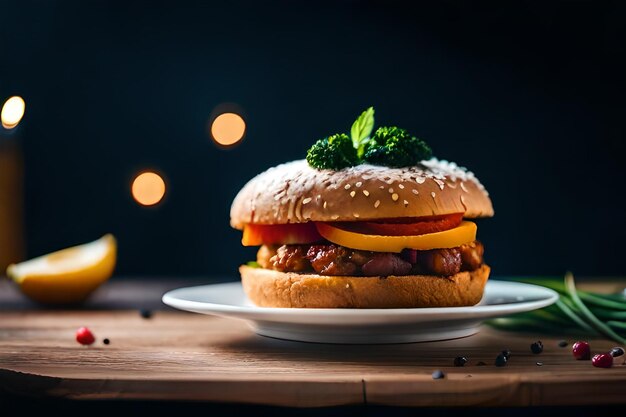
578,312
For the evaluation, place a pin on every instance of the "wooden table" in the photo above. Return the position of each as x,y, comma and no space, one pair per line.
184,356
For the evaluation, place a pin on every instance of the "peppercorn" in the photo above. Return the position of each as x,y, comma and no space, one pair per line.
501,360
506,353
536,347
106,341
581,350
562,343
618,355
602,360
438,374
84,336
146,314
460,361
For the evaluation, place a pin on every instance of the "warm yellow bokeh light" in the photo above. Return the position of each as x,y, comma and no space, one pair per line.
12,112
148,188
228,129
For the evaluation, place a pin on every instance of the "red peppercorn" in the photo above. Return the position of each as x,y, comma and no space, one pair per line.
603,360
84,336
581,350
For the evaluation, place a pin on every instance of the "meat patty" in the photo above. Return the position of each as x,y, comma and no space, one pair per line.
440,261
290,258
331,259
472,255
384,264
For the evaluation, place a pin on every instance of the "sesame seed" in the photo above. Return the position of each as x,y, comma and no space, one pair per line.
366,193
356,215
406,203
358,184
377,203
415,192
325,204
352,194
307,200
382,187
334,216
347,285
432,193
395,197
401,186
390,190
347,187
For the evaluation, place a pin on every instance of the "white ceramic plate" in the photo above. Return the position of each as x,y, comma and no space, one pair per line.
330,325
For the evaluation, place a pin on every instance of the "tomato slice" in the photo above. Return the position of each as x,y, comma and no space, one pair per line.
393,228
284,234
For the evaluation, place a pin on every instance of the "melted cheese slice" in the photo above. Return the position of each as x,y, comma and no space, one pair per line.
463,233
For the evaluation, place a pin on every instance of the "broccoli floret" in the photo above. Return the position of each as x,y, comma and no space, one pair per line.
395,147
333,152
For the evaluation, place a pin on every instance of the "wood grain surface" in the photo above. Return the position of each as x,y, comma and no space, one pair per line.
184,356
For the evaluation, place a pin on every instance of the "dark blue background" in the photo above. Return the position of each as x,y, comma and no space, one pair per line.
528,95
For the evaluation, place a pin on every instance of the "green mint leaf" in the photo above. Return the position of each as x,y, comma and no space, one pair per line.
361,130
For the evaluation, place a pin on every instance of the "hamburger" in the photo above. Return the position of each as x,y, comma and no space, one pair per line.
367,221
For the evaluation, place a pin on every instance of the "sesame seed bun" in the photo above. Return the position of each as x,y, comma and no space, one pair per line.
296,193
268,288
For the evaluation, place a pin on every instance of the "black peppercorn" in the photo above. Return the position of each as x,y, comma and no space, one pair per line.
616,352
146,314
106,341
460,361
562,343
501,360
536,347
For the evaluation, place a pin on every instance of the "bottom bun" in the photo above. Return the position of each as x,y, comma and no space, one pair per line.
268,288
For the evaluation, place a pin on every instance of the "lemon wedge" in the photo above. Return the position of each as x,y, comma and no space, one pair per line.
68,275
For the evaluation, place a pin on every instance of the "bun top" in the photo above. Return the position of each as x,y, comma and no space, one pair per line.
296,193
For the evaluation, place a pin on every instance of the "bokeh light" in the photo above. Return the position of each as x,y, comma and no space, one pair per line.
12,112
228,128
148,188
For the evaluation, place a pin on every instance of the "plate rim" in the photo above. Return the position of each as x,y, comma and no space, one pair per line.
170,299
